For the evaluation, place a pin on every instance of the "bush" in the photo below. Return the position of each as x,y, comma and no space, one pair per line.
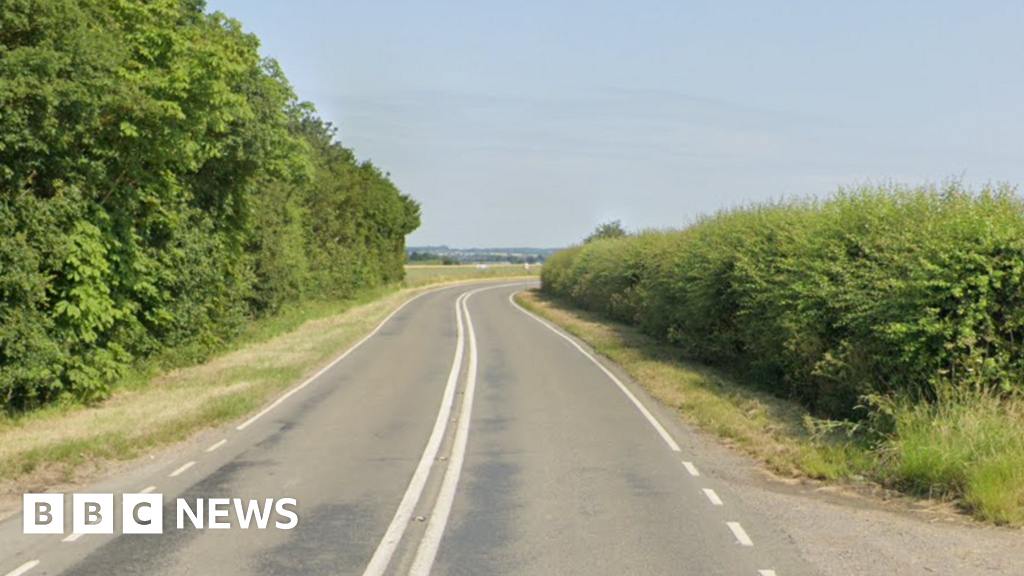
878,290
159,186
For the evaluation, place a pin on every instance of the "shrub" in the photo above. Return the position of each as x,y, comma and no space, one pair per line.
877,290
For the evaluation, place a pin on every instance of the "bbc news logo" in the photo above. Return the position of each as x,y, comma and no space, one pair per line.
143,513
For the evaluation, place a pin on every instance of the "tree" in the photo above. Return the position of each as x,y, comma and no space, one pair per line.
160,185
607,230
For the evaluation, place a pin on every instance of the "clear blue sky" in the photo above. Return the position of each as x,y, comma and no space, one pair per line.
527,123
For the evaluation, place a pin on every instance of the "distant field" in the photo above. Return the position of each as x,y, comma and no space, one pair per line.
420,274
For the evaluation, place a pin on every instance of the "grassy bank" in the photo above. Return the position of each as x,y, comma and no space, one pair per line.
154,407
774,430
968,449
893,313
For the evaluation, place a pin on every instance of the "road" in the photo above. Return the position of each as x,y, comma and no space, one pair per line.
465,436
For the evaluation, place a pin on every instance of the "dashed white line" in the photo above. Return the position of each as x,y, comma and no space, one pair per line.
147,490
72,538
217,445
715,500
740,533
24,568
767,573
636,402
182,469
691,469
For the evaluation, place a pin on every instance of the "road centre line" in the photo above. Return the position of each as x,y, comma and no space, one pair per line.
147,490
393,536
767,572
431,540
691,469
715,500
636,402
182,469
740,533
72,537
23,568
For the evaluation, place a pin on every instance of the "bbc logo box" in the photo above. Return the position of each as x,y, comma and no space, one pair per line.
93,513
143,513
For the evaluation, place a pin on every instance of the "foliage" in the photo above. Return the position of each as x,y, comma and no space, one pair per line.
159,186
876,291
605,231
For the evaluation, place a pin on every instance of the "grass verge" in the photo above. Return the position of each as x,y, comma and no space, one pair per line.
153,408
968,448
775,431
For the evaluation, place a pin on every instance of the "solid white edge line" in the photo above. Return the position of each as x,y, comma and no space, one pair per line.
217,445
740,533
182,469
72,537
713,497
767,572
636,402
23,568
147,490
691,469
431,540
343,355
393,536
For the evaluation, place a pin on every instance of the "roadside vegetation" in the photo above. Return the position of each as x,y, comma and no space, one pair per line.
161,187
891,317
152,407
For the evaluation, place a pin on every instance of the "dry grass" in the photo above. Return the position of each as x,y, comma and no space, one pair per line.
74,443
770,429
419,275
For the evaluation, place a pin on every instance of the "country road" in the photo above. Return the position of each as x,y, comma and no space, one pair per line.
464,436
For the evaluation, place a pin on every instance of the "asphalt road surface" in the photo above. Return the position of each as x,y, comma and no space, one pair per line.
464,436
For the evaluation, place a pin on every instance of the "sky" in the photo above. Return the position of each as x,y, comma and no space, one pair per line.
528,123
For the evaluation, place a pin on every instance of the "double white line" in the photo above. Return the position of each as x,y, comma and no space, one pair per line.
431,540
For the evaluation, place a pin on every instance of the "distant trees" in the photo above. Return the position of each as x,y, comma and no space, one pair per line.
160,185
423,257
611,229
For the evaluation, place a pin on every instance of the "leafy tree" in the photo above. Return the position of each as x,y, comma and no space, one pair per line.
160,185
611,229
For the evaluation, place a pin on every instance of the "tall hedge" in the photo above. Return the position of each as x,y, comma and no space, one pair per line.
876,290
159,186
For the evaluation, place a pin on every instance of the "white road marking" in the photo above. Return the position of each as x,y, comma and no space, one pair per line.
767,573
217,445
393,536
147,490
740,533
24,568
182,469
643,409
431,540
344,355
386,549
715,500
72,538
691,469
